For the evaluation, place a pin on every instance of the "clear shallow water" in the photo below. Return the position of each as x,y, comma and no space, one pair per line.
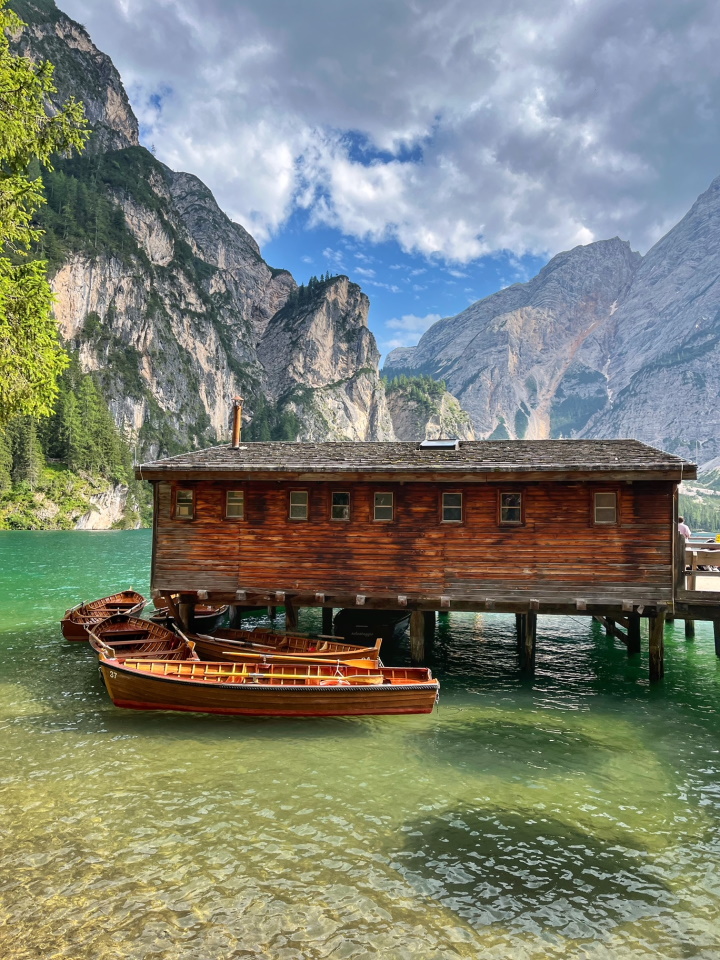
576,815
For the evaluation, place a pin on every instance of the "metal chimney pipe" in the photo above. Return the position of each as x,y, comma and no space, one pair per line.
237,421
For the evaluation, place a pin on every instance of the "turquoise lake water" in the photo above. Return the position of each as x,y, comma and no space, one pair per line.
573,815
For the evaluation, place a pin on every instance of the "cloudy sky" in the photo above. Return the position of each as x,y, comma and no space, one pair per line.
433,151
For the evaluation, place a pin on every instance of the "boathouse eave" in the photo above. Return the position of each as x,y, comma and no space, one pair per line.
482,461
590,475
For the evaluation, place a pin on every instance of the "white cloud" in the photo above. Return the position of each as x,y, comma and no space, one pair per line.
530,127
364,272
409,329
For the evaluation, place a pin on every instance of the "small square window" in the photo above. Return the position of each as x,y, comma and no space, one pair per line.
184,505
383,506
340,506
452,507
510,508
605,508
235,504
298,505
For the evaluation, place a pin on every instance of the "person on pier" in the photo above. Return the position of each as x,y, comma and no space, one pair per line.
683,528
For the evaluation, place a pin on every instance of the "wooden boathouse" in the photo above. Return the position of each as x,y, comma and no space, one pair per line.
581,527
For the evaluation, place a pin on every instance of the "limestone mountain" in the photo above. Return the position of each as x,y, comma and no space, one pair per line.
422,409
170,302
602,343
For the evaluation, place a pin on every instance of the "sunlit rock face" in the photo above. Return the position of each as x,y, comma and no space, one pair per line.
602,343
172,303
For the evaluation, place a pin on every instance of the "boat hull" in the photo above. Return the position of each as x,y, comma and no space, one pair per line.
139,691
77,622
269,647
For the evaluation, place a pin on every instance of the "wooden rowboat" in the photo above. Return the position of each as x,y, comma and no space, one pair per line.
205,617
121,636
280,647
262,690
75,623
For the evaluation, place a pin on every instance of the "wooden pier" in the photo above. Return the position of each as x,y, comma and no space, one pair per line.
568,527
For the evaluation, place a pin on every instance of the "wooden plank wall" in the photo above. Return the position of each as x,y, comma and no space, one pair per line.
416,553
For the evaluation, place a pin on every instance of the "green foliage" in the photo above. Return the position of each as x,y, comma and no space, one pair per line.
700,514
25,450
31,358
272,422
420,388
307,293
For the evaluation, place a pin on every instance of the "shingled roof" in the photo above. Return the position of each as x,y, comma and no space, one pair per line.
482,456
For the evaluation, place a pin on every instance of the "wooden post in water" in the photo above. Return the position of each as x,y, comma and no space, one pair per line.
428,630
417,636
236,613
716,633
519,630
633,646
528,643
186,612
609,624
291,616
657,646
689,629
272,613
327,621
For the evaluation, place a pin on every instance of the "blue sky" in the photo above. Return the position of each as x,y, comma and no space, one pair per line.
407,291
434,152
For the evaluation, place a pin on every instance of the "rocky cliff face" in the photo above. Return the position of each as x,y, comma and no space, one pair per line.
171,302
427,417
513,360
602,343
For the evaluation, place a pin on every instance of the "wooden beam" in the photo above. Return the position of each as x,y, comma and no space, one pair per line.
291,615
528,643
657,646
689,629
417,636
633,646
611,628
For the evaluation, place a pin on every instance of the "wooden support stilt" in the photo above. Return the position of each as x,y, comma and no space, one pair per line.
519,630
657,646
609,627
633,646
272,613
689,629
186,612
429,630
291,616
327,621
417,636
716,633
612,629
236,613
528,643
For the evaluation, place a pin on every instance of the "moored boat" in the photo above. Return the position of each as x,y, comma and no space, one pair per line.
76,621
278,647
120,636
363,626
281,690
205,617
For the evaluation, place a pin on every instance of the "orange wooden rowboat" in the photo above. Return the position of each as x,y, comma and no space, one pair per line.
121,636
279,690
280,647
76,621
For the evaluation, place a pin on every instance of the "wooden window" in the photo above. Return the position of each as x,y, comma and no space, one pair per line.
298,505
235,505
383,506
452,507
605,507
340,509
511,508
184,504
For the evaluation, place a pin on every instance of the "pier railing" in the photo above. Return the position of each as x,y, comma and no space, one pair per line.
702,567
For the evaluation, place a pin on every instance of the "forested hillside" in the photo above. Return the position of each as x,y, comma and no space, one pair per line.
51,468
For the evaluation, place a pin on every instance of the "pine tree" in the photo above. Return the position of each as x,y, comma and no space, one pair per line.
6,461
27,458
